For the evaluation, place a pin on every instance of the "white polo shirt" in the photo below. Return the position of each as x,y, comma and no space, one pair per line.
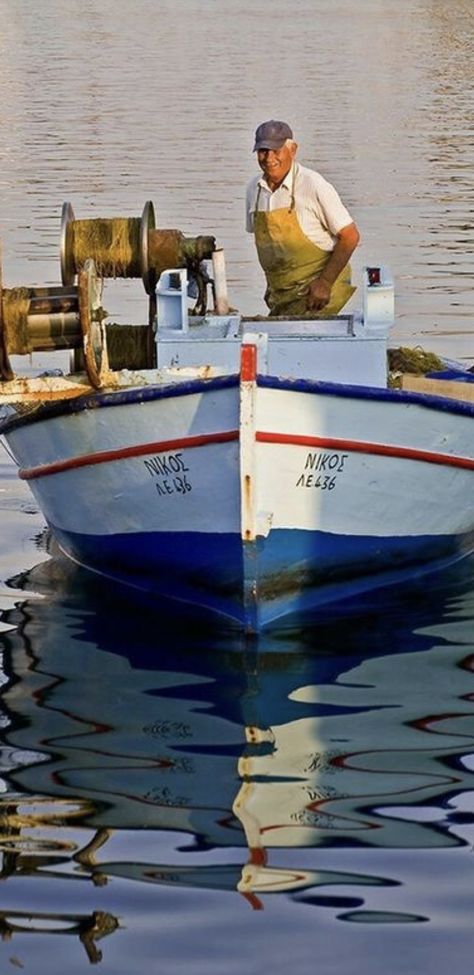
319,210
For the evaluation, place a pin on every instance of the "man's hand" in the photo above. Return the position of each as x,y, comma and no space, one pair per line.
319,293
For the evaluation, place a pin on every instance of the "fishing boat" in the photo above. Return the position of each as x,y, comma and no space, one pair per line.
249,468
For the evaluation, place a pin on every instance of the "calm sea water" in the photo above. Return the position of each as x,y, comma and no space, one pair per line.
176,801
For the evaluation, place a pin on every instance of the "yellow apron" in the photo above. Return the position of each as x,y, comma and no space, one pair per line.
291,261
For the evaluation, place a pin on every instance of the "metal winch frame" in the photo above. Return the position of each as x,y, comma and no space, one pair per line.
39,319
150,251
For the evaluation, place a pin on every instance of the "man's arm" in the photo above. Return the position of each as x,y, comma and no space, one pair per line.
250,199
320,289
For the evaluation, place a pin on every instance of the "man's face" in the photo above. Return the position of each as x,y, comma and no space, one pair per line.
276,163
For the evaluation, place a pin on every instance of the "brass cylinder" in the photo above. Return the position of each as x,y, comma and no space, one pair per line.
35,320
52,305
56,331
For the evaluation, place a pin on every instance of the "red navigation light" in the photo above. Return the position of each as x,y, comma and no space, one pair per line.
373,275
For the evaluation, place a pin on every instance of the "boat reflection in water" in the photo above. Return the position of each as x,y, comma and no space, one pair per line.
121,731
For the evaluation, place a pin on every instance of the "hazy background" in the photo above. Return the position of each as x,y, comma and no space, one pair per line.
110,104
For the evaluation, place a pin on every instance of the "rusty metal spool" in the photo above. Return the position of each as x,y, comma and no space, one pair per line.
70,317
51,318
127,247
37,320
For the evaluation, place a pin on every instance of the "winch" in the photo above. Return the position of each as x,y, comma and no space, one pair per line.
128,247
71,316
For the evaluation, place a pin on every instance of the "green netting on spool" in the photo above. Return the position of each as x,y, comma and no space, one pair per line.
113,244
127,346
15,305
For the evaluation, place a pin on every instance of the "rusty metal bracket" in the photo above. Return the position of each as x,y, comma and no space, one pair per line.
92,326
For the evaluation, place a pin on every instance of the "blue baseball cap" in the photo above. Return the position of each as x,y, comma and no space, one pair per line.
272,135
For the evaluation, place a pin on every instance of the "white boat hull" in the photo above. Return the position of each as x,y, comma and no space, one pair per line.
254,498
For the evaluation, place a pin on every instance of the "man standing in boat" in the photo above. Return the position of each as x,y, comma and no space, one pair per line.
303,232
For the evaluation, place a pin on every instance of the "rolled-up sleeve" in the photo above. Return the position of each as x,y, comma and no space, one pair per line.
330,208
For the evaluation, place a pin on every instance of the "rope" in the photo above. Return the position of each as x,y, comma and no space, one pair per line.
113,244
16,303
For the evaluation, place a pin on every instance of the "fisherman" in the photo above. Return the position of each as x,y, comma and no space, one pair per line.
303,233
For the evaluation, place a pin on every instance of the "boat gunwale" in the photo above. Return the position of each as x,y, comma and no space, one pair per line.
352,391
142,394
116,397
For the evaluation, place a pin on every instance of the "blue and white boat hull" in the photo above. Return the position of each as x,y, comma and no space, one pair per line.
253,497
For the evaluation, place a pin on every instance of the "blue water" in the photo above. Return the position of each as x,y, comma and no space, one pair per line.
171,799
202,801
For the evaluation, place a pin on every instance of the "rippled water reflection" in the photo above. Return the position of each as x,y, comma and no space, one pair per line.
171,800
327,773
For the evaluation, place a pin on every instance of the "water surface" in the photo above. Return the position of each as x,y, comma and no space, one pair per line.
231,802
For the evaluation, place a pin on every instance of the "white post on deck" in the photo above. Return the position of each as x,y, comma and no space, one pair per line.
220,282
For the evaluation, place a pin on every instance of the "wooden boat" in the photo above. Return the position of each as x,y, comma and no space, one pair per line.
256,468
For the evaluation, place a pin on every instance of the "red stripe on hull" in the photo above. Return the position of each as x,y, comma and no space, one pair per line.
122,453
183,443
361,447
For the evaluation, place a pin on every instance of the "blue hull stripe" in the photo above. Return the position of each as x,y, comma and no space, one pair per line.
345,391
293,567
148,393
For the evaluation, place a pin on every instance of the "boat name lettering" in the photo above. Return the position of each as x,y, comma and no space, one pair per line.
162,465
173,485
320,461
325,462
169,471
